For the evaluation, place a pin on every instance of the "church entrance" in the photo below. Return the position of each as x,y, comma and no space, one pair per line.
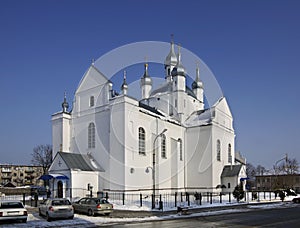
59,189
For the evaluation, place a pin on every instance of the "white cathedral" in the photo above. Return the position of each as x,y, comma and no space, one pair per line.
166,141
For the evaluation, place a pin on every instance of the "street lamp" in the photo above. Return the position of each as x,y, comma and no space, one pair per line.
276,168
153,166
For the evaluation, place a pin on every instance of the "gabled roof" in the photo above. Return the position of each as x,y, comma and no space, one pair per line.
231,170
80,161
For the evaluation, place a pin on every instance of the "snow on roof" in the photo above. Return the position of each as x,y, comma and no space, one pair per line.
200,118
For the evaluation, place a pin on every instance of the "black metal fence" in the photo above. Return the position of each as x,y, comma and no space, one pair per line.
161,201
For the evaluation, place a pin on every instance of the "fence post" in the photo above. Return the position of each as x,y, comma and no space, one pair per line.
200,198
141,200
211,198
220,197
153,201
188,198
264,195
175,199
24,199
229,197
270,195
207,196
123,198
106,195
181,196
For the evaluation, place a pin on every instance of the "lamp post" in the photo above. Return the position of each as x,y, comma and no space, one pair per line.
153,167
276,168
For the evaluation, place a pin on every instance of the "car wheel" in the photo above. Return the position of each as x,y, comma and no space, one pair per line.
107,214
48,217
90,212
24,220
71,217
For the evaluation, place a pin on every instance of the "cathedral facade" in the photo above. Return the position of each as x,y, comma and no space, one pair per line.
167,141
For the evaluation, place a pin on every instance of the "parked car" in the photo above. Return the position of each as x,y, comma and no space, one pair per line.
13,210
56,208
93,206
296,200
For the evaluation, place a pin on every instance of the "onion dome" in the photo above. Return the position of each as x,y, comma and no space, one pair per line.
171,59
197,83
65,104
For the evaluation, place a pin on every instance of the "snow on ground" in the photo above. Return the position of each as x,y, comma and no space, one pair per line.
34,220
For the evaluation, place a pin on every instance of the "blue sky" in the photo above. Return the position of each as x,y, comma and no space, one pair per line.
252,47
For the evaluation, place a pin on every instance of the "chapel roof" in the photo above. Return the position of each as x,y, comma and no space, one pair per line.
83,162
231,170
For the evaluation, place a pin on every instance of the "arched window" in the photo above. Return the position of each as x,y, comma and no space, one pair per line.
218,150
163,146
92,101
91,135
229,154
180,150
142,136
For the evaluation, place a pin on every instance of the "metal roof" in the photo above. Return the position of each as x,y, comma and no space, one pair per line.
83,162
231,170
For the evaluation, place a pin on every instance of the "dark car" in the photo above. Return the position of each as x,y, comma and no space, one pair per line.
93,206
296,200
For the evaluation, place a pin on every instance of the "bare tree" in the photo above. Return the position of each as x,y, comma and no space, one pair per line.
42,156
260,170
290,166
250,171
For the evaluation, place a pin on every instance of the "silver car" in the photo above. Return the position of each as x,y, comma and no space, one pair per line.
56,208
93,206
12,210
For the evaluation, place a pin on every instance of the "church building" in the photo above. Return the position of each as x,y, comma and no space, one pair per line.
166,141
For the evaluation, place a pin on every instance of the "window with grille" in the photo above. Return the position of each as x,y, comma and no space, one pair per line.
142,136
180,150
163,146
218,150
91,136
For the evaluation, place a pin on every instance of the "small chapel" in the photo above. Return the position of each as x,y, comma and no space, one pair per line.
166,141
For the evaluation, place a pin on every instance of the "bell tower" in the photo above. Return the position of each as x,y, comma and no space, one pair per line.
61,129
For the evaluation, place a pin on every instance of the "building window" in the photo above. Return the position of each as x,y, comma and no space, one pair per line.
180,150
92,101
229,154
91,136
163,146
218,150
142,137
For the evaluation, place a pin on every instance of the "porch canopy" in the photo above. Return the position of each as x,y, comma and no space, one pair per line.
53,176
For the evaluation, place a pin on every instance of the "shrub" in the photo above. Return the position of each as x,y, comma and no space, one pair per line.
238,192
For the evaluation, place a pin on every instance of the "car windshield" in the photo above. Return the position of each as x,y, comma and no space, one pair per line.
5,205
60,202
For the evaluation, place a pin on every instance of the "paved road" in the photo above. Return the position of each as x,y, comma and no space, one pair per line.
279,217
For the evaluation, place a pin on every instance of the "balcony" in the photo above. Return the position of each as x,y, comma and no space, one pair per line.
29,171
6,170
